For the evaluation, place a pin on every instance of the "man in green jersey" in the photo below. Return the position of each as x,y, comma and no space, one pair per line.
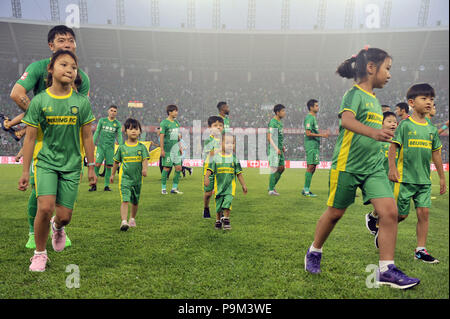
417,142
34,78
170,149
224,111
108,130
311,144
225,167
275,147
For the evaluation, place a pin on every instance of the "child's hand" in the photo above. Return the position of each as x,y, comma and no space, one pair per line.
383,135
111,179
23,182
443,186
17,158
393,175
206,181
244,189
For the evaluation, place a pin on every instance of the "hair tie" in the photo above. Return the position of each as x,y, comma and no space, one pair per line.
366,47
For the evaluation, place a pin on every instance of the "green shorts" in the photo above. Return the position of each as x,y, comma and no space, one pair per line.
312,156
276,160
171,159
62,184
343,185
420,194
130,193
104,154
223,202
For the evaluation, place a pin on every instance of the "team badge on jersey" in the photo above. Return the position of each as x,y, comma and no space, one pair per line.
74,110
24,76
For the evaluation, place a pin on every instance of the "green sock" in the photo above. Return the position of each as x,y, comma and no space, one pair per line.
277,177
32,209
308,178
272,182
96,170
176,178
164,179
107,175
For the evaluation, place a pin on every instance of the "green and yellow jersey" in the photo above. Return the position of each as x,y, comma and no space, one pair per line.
131,157
225,169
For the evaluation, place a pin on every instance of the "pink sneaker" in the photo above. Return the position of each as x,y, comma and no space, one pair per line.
132,222
58,237
38,262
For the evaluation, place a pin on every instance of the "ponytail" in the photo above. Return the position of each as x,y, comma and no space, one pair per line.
356,66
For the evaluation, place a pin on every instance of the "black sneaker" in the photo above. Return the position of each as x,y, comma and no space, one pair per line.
107,189
226,223
218,224
93,188
376,241
206,213
190,171
371,223
425,257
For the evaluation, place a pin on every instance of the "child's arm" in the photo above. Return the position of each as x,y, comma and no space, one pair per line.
28,149
436,155
144,167
113,172
89,147
349,122
207,175
241,180
393,171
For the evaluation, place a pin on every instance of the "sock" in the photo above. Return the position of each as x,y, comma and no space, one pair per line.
384,265
164,179
277,178
420,248
312,248
176,178
40,252
32,209
308,178
272,182
97,170
107,175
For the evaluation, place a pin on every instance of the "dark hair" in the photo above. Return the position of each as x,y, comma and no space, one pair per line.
311,103
360,61
403,106
220,104
132,123
59,29
387,114
53,59
277,108
171,108
213,119
113,107
384,105
422,89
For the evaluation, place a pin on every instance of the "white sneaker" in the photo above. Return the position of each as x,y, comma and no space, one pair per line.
164,192
124,226
175,191
273,193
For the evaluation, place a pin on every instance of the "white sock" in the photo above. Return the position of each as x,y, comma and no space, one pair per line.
419,248
317,250
40,252
384,265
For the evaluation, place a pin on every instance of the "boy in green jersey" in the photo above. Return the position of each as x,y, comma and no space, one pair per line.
134,158
170,149
225,167
417,142
60,117
311,144
275,148
211,146
108,130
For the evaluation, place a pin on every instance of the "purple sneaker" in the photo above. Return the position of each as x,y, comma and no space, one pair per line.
395,278
312,262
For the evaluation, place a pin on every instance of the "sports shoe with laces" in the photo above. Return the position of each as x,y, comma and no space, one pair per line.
312,262
375,241
93,188
206,213
164,192
58,236
218,224
107,189
38,262
124,225
274,193
132,222
308,194
425,257
226,223
395,278
371,223
175,191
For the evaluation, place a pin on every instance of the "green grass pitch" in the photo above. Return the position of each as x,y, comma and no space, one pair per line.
175,253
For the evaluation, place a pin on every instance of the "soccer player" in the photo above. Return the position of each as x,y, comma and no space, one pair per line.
211,147
311,144
58,120
134,158
34,78
417,142
275,148
225,167
170,149
389,123
358,162
385,108
108,130
224,111
402,110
